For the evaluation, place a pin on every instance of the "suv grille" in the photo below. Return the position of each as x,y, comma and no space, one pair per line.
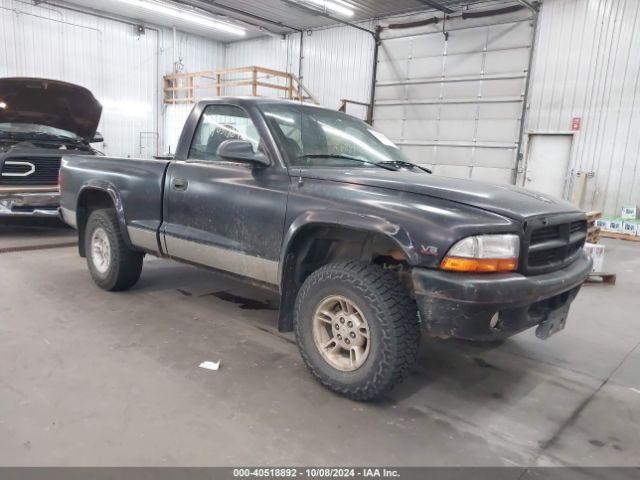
30,171
552,243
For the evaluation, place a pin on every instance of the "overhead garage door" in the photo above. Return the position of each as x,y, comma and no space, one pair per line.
454,102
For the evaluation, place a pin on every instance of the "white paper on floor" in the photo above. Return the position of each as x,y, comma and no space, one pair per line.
210,365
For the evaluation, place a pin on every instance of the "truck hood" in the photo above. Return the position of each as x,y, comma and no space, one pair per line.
49,102
510,201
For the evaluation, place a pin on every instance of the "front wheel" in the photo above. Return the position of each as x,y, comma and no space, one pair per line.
113,265
357,328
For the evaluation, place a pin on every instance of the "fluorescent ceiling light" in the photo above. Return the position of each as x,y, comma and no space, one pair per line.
335,6
185,15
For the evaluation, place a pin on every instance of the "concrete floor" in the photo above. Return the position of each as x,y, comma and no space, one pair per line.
95,378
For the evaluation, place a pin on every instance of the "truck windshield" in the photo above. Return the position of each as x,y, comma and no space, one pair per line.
316,137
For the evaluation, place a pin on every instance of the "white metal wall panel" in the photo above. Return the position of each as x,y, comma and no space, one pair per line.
454,103
269,52
587,65
122,69
194,54
337,62
106,56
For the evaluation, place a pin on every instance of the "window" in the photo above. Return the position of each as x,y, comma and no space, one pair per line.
220,123
317,137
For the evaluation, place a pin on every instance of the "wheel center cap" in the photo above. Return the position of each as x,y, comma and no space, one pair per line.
346,333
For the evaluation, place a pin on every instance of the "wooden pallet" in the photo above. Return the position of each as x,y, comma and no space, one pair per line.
619,236
593,232
593,216
599,278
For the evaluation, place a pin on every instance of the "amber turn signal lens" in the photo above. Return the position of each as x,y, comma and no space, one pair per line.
459,264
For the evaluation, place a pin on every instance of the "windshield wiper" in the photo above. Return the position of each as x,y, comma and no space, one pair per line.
347,157
404,163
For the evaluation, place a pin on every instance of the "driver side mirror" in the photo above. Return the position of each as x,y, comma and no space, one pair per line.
241,151
97,138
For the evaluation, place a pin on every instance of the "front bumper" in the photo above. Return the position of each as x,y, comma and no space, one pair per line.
463,305
38,203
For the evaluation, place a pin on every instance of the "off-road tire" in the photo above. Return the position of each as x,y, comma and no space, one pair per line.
125,265
393,321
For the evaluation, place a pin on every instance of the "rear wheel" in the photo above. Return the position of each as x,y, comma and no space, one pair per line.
112,264
357,328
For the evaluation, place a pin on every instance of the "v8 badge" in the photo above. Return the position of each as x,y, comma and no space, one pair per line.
429,250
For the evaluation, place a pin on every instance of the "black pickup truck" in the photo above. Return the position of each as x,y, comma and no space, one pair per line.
364,247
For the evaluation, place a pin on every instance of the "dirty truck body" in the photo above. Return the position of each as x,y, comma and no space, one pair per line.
364,248
40,121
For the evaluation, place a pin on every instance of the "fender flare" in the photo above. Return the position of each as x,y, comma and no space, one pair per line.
345,219
112,192
340,219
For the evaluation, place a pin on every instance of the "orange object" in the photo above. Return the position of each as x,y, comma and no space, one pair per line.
479,265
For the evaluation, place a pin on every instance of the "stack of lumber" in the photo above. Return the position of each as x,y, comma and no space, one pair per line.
593,232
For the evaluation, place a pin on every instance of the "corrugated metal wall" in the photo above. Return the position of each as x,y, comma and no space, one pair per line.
269,52
336,62
194,54
587,64
122,69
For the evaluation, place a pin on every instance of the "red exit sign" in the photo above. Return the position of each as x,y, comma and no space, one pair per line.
576,122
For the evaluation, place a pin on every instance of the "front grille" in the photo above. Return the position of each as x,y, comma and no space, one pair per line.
30,171
552,243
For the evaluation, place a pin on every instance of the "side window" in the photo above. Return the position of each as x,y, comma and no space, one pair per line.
217,124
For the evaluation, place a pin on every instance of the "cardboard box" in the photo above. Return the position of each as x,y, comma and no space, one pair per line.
596,252
603,223
630,212
631,227
613,225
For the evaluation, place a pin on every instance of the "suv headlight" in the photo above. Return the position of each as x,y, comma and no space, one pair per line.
483,253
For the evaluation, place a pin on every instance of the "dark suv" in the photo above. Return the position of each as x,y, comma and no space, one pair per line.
40,121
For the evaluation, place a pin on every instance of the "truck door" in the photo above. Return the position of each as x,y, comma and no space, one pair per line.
224,214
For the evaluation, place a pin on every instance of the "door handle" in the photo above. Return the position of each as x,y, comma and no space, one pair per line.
179,184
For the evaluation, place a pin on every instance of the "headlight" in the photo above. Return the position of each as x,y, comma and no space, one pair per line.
483,253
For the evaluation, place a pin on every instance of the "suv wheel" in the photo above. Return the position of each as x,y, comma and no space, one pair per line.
112,264
357,328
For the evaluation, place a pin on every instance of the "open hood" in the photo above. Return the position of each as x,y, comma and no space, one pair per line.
49,102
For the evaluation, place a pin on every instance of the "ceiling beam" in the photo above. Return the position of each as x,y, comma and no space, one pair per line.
330,17
212,6
436,5
531,6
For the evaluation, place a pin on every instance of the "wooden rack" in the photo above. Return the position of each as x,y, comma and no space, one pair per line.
253,81
344,103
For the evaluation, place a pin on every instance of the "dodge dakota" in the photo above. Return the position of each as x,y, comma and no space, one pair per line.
41,120
365,248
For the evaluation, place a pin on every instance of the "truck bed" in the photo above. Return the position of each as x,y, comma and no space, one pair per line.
135,182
